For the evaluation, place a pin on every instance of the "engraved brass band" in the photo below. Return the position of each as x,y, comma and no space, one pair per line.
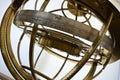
61,23
50,38
48,41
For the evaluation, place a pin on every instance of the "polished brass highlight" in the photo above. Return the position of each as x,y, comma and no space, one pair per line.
51,30
75,8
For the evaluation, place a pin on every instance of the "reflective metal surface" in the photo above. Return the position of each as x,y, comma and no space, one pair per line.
52,30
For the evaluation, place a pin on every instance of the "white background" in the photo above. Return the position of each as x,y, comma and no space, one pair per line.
112,72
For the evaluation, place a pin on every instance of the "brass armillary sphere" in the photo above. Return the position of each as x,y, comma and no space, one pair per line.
62,32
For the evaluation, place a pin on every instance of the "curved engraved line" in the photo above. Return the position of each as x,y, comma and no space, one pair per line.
61,23
90,52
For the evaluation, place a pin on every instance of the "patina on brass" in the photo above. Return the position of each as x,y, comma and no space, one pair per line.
9,58
75,8
50,38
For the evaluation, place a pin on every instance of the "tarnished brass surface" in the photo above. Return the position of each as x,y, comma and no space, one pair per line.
61,23
4,77
103,8
9,58
91,72
60,45
75,8
90,52
106,48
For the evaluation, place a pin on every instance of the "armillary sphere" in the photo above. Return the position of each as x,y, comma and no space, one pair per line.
67,32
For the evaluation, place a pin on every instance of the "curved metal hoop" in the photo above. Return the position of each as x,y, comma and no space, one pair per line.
6,49
56,22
